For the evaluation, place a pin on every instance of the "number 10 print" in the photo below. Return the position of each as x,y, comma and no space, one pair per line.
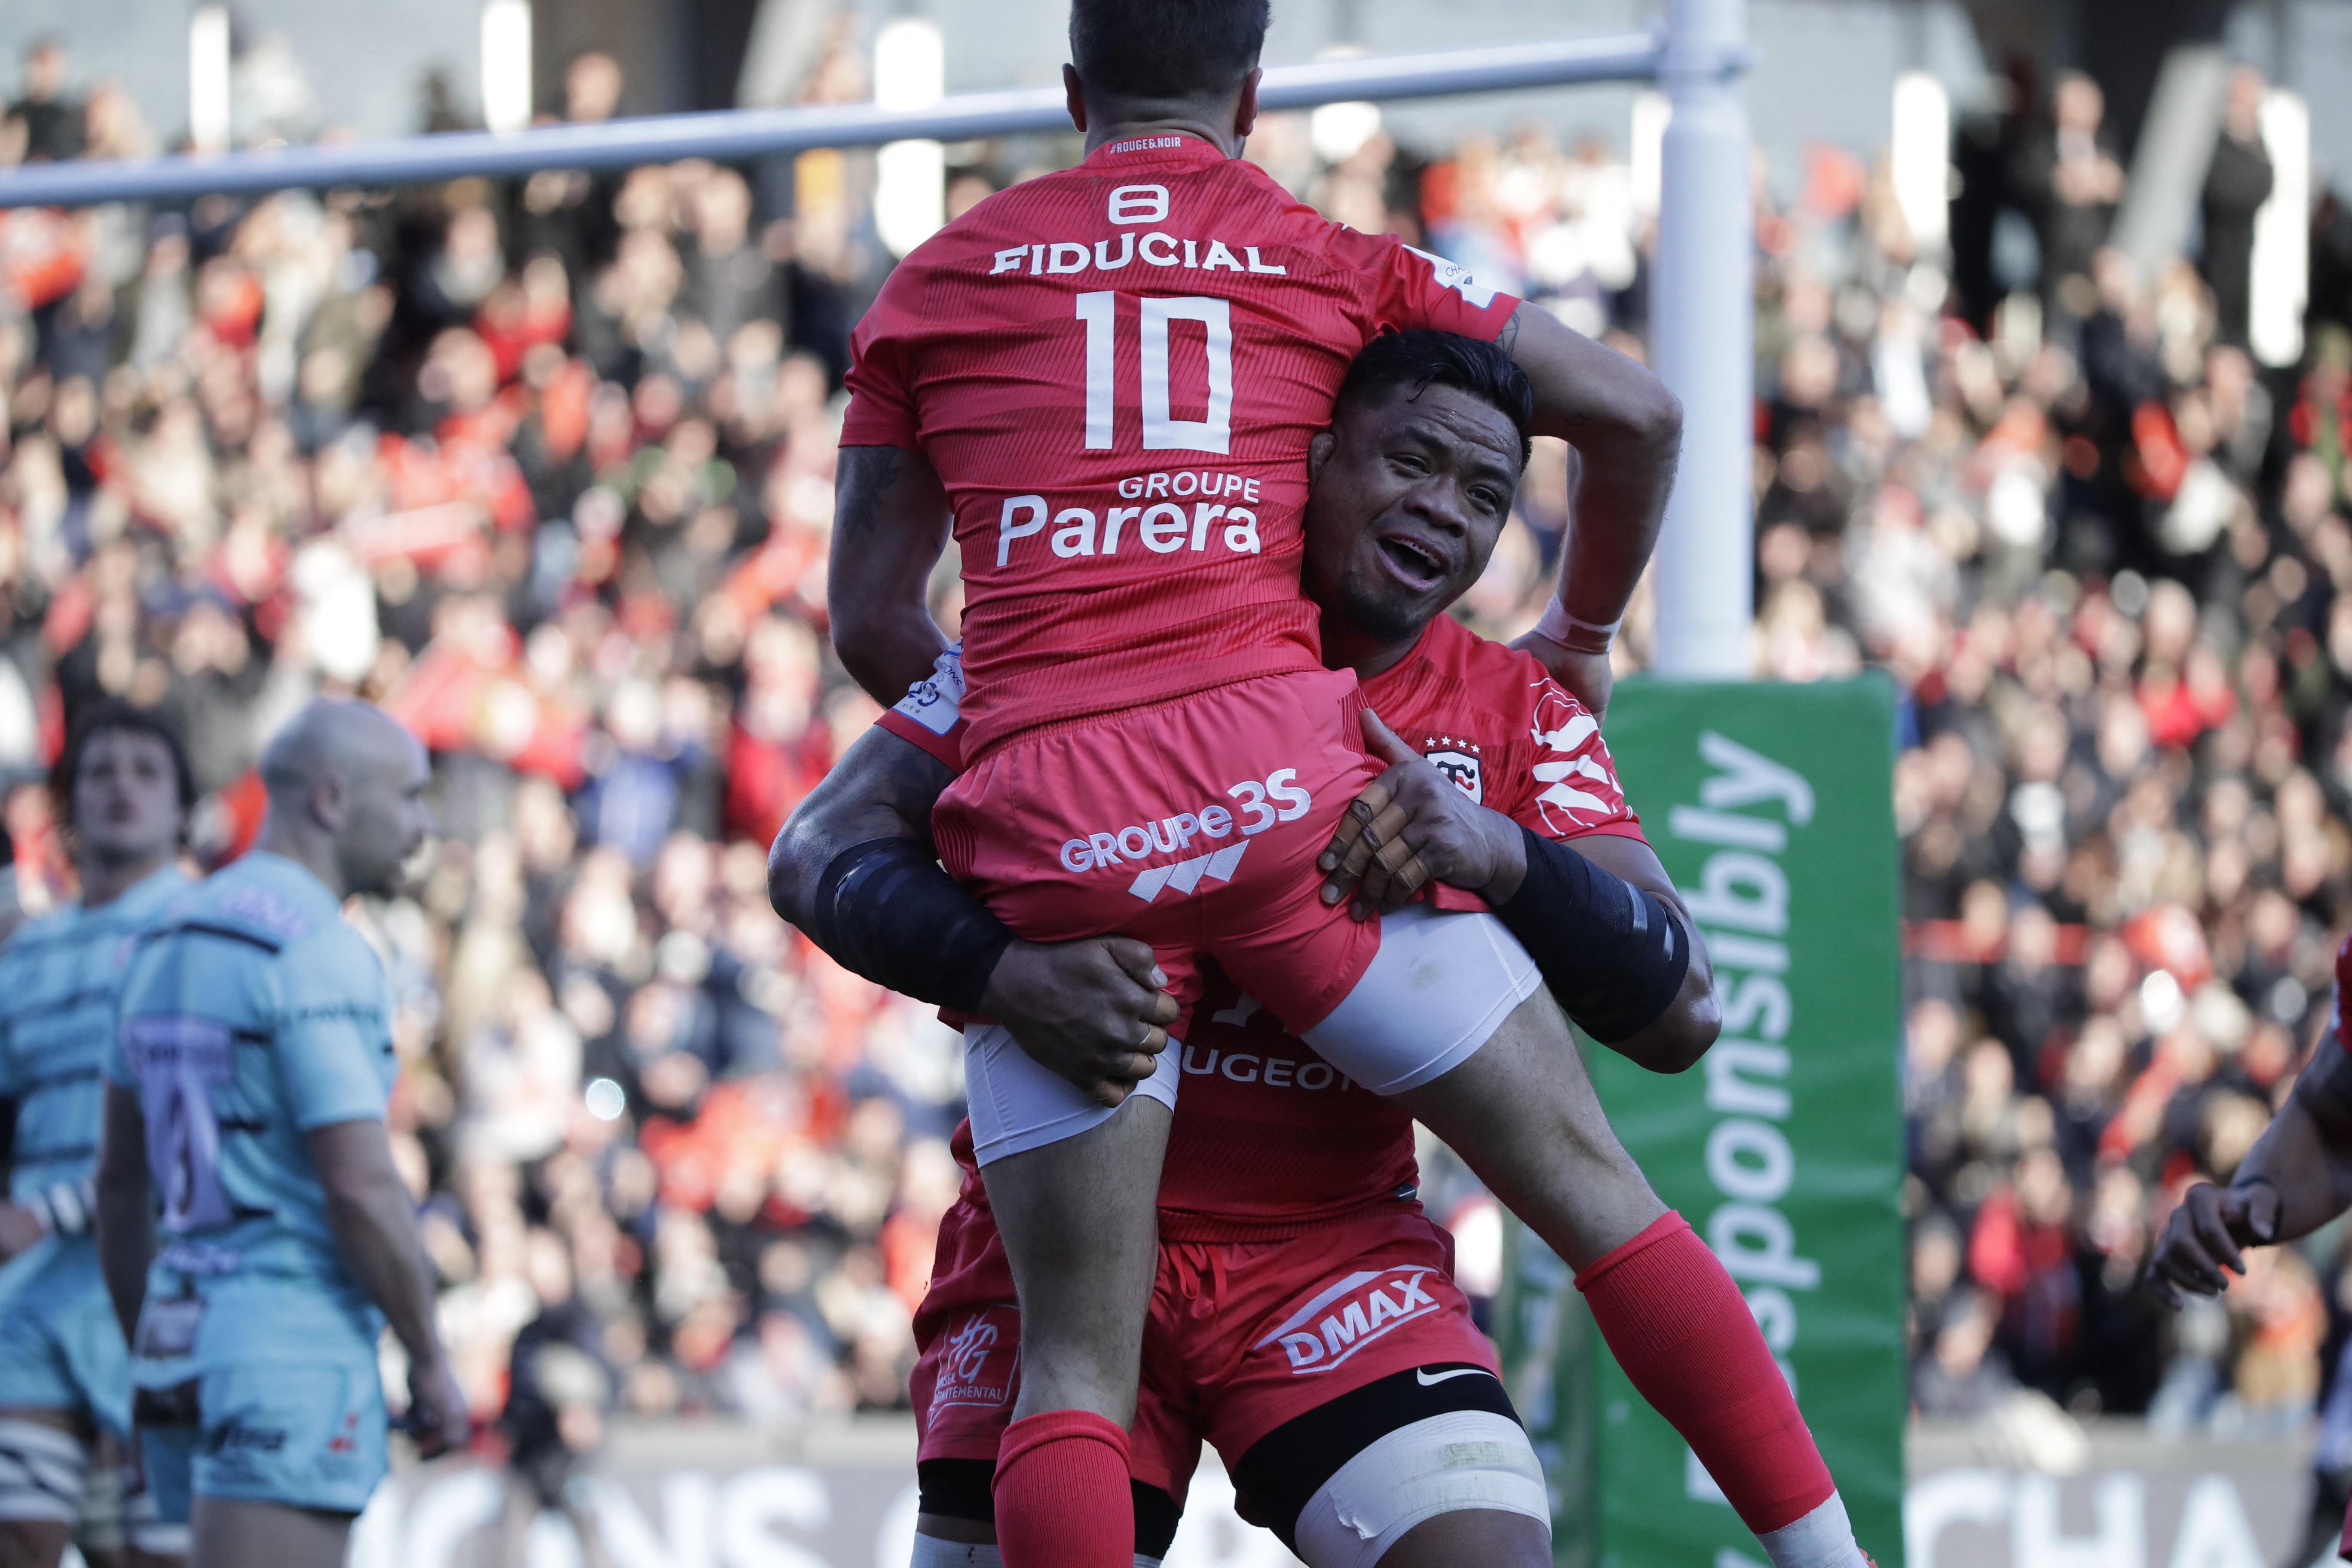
1099,312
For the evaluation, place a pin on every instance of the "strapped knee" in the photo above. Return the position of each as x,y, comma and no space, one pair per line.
43,1472
1462,1460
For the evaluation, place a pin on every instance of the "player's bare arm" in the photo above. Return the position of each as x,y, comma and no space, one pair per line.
883,787
890,524
2295,1178
126,1223
1628,428
374,1221
1414,825
1092,1010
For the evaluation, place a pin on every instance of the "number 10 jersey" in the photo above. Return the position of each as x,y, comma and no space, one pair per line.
1115,371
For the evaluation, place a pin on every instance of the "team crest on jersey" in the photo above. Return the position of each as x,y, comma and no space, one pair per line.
1458,760
978,1362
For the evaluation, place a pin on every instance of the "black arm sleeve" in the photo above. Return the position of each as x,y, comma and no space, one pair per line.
1611,954
885,911
2325,1084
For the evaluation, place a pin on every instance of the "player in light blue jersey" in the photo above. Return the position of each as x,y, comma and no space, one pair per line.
123,789
245,1133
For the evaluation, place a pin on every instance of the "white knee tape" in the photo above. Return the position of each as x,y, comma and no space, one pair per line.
42,1472
1460,1461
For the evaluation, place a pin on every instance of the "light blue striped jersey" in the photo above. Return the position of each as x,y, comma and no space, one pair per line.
59,979
253,1015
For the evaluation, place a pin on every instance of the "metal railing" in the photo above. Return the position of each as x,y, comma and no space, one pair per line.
1701,299
743,134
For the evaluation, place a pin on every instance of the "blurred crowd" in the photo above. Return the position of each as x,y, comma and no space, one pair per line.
546,466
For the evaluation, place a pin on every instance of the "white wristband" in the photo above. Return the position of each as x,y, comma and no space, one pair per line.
69,1204
1564,628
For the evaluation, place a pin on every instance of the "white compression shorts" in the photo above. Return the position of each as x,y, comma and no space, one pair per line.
1438,989
1461,1461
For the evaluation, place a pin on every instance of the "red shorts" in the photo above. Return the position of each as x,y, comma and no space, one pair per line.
1242,1338
1193,826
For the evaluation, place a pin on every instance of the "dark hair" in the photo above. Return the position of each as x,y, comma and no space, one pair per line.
1165,50
118,717
1420,360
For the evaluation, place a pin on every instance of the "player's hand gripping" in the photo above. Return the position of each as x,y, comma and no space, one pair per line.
438,1420
1411,826
2204,1234
1588,676
1094,1011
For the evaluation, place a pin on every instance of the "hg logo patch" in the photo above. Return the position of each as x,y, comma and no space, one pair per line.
980,1360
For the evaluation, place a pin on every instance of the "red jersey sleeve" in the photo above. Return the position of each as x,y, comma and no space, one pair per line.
931,713
882,411
1411,291
1563,781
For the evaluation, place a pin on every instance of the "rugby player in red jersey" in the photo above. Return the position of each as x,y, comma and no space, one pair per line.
1287,1195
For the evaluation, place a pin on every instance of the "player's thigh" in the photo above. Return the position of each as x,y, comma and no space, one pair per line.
34,1543
239,1532
1521,1111
1081,1229
1482,1535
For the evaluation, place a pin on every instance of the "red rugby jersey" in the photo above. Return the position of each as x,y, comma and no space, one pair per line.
1115,371
1272,1139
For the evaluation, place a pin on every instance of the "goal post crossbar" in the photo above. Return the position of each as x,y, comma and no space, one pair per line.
727,135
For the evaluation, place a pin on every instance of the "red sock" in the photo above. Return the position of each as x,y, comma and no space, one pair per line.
1062,1497
1685,1338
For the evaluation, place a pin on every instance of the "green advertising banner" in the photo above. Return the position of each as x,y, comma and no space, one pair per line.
1771,806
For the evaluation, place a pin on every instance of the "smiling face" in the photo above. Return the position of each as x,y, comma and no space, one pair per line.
1409,493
